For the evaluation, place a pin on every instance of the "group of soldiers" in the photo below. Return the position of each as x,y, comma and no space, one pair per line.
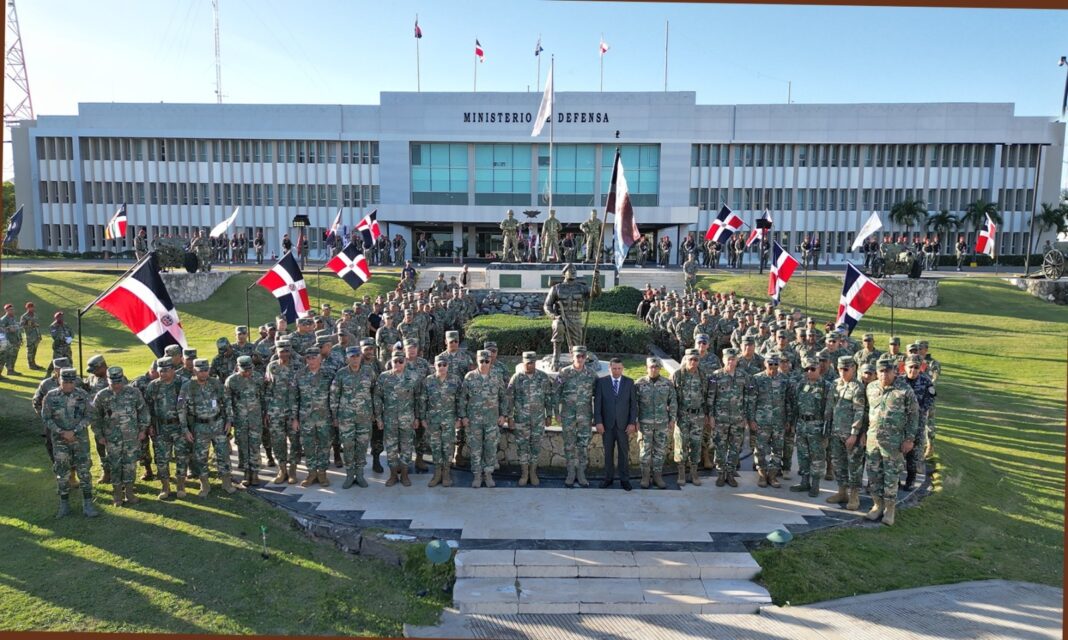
551,245
773,375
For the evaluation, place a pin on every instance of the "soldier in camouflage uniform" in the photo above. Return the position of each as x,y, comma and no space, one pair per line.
201,246
304,338
121,421
12,330
245,397
530,404
483,407
730,403
812,412
417,367
312,418
574,394
46,385
31,328
690,269
329,321
438,406
394,405
749,360
657,411
771,413
278,394
849,406
203,410
459,365
924,389
185,371
684,331
933,368
168,437
66,412
94,383
893,421
225,363
352,407
386,338
62,337
707,362
691,385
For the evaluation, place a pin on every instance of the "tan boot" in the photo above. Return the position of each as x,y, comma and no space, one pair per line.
131,497
446,475
116,495
181,486
706,459
291,475
228,483
645,477
534,480
839,497
477,481
524,475
404,476
310,480
436,480
105,477
876,509
658,480
323,480
205,487
420,464
681,473
888,513
695,476
281,476
762,478
489,480
165,488
773,480
854,500
393,477
570,479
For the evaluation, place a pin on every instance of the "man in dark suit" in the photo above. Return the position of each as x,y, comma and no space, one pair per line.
615,414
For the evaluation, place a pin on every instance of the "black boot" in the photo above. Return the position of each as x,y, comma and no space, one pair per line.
376,464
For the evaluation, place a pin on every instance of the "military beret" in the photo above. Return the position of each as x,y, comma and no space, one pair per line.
867,368
692,353
312,352
809,362
845,362
773,358
304,322
352,351
914,346
245,362
484,355
200,364
172,350
61,363
489,345
652,362
530,356
748,339
95,362
868,337
239,329
164,363
730,352
702,337
367,342
895,340
411,342
57,315
913,361
189,353
222,342
68,375
578,349
452,335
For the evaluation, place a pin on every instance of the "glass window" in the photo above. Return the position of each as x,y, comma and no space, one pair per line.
802,155
439,173
641,162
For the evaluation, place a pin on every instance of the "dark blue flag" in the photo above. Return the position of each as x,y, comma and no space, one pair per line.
14,227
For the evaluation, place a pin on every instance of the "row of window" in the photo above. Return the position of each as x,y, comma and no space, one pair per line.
196,150
202,193
851,155
711,199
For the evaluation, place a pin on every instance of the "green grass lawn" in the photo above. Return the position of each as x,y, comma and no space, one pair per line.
187,566
998,506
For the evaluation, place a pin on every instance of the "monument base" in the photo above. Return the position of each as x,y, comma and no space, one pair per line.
540,276
908,293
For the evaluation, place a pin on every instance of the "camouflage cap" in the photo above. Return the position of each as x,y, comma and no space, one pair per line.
398,356
347,311
318,320
282,343
691,353
895,340
730,352
809,362
810,320
869,337
452,335
222,343
189,353
95,362
200,364
578,349
67,374
61,363
747,339
352,351
321,340
326,306
845,362
915,346
772,358
886,363
867,367
823,355
701,337
173,350
164,363
305,322
312,352
367,342
115,374
810,332
652,361
923,344
530,356
240,329
489,345
244,362
322,333
440,359
912,361
411,342
484,355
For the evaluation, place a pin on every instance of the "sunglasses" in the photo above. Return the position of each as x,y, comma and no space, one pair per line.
398,361
441,365
810,368
580,355
483,361
454,342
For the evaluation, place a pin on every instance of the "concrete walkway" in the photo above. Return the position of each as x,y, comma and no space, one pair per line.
981,610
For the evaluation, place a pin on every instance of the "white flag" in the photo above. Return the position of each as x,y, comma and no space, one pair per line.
873,224
221,228
545,111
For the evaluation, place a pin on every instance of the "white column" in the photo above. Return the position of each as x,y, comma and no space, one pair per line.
472,239
457,235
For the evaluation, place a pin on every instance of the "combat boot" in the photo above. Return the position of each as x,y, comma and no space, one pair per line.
534,480
814,486
337,455
64,507
270,458
732,479
721,478
376,463
420,464
580,476
829,474
350,478
762,478
228,483
889,512
404,476
706,459
105,477
695,476
645,477
116,495
281,476
524,475
784,474
876,509
658,480
489,480
773,480
393,477
446,475
570,479
477,481
310,480
910,480
801,486
131,497
165,488
840,496
180,493
291,475
681,473
148,475
88,510
854,500
436,480
323,480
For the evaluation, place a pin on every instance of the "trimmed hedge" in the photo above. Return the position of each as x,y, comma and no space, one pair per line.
618,300
606,333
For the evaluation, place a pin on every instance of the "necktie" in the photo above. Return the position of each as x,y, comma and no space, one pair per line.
615,386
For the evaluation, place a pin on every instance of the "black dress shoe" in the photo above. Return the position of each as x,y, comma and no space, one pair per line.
626,485
607,482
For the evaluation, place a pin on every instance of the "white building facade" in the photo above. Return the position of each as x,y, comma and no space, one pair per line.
450,164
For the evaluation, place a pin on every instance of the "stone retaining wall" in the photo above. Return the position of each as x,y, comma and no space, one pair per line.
518,304
1055,291
908,293
193,287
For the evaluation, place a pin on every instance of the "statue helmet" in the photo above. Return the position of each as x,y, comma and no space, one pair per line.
568,268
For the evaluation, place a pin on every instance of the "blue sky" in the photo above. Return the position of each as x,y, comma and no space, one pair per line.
319,51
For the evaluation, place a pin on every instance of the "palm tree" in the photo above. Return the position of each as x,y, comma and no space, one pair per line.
975,214
1051,218
943,222
908,212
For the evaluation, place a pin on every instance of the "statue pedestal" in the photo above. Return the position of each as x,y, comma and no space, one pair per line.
908,293
539,276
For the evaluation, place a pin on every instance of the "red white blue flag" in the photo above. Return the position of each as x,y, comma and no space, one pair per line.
418,31
335,228
351,266
369,229
757,231
618,203
724,226
985,242
286,282
116,228
479,53
783,266
859,293
141,302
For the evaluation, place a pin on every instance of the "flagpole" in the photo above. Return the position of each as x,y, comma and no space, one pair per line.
600,50
537,54
475,86
418,87
600,250
552,119
667,29
247,289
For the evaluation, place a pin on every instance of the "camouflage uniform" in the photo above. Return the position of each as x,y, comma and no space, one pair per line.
483,400
893,417
385,339
278,400
46,385
69,412
690,392
394,407
62,336
731,405
245,397
530,403
574,393
439,403
12,330
924,390
202,410
311,395
168,435
657,409
771,413
32,330
225,363
419,369
121,418
812,412
352,404
848,407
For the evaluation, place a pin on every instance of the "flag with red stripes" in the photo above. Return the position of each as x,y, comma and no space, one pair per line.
618,203
116,228
758,232
859,293
724,225
351,266
984,243
335,228
286,282
141,302
368,227
783,266
479,52
418,31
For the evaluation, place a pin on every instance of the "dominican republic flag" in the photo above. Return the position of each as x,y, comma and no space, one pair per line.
418,31
141,302
479,52
537,47
618,203
351,266
369,228
859,293
756,232
286,282
335,228
225,225
117,225
985,242
14,226
604,46
783,266
724,226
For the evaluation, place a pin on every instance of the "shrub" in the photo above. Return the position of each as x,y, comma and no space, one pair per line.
606,333
618,300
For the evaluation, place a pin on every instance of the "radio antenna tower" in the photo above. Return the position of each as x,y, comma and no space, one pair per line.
18,105
218,55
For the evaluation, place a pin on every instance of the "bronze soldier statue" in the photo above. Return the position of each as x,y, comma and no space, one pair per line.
565,303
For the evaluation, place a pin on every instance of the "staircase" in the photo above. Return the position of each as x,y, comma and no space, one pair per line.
655,276
606,582
429,273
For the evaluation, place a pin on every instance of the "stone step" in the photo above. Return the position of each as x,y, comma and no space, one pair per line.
638,278
641,596
605,564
